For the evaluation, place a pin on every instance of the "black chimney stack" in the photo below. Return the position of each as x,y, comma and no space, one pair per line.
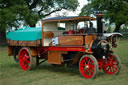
99,24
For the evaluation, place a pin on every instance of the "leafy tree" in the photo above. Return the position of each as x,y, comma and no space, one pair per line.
15,12
30,11
116,11
9,15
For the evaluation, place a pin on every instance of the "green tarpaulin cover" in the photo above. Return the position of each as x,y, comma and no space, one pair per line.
25,34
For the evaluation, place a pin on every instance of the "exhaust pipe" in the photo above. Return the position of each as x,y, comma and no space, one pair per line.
100,30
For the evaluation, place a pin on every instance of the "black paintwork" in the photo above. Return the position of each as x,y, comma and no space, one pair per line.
98,49
99,25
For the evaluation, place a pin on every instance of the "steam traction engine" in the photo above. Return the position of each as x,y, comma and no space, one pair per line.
90,49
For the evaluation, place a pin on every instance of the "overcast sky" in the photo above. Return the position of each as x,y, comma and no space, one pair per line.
81,3
71,13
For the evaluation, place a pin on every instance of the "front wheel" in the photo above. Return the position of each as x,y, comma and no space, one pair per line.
112,64
26,60
88,66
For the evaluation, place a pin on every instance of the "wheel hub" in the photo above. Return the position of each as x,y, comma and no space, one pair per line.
110,63
87,67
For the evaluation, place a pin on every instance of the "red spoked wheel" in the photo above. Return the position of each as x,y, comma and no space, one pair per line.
112,64
88,66
26,61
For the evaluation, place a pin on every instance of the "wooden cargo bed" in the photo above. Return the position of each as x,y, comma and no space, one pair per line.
24,43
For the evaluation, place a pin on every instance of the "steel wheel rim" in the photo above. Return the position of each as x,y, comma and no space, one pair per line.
111,64
87,67
24,59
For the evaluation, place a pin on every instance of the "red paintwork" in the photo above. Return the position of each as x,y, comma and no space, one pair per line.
70,31
82,49
111,64
101,63
87,67
24,59
79,48
90,50
42,50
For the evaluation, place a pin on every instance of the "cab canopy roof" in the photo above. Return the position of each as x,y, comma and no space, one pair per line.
69,18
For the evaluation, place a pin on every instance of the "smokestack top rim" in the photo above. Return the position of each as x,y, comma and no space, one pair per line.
99,15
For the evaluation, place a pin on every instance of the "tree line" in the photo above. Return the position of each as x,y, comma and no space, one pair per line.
115,11
13,12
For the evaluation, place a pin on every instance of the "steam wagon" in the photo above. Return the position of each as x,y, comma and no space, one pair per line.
61,41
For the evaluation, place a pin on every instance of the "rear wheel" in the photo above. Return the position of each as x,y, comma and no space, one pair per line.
26,60
112,64
88,66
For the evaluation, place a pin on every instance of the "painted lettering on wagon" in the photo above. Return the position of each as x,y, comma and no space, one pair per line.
71,40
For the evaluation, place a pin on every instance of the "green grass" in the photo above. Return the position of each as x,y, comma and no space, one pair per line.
45,74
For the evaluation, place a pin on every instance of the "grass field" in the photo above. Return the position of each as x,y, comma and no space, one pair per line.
45,74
